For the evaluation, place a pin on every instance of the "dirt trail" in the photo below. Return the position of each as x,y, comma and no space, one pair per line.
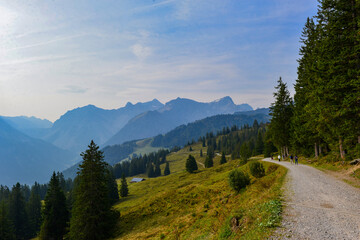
318,206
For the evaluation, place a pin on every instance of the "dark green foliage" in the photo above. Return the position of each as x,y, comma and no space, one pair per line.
92,217
191,164
209,162
150,171
238,180
157,170
245,152
6,228
17,212
327,98
257,169
281,112
190,149
124,190
55,212
201,153
167,169
223,158
113,187
141,164
33,208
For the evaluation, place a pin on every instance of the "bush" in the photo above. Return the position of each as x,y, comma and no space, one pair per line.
238,180
257,169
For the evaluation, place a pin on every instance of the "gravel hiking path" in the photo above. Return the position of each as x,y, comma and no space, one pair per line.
318,206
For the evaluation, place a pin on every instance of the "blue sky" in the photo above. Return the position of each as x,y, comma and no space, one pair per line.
61,54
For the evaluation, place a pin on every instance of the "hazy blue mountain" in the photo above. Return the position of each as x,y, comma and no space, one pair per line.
31,126
76,128
26,159
174,113
23,122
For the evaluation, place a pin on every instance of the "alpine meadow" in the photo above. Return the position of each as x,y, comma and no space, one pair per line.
213,119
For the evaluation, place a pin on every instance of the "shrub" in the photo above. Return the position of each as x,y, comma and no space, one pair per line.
257,169
238,180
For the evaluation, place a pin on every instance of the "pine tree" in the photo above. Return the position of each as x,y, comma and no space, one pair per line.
124,191
92,217
223,158
6,228
150,170
17,212
281,112
167,169
55,212
157,171
33,208
191,164
201,153
113,187
259,145
209,162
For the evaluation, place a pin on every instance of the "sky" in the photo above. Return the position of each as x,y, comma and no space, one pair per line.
56,55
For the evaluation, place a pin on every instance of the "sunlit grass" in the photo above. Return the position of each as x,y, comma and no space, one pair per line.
200,205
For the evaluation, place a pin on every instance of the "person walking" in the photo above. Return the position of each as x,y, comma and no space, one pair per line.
291,159
296,160
279,157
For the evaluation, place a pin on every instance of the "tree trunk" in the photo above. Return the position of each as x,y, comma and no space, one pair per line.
358,139
287,151
342,152
316,150
320,150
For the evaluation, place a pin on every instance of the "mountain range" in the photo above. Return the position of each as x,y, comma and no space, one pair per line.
26,159
174,113
32,148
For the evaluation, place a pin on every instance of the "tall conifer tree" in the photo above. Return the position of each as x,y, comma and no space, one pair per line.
92,218
6,228
55,212
281,112
124,190
17,212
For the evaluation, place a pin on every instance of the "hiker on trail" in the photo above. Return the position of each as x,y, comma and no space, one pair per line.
296,160
291,159
279,157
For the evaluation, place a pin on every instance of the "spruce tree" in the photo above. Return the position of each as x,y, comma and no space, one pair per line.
92,217
201,153
281,112
191,164
55,212
223,158
6,228
157,171
209,162
124,191
33,207
17,212
167,169
150,170
112,187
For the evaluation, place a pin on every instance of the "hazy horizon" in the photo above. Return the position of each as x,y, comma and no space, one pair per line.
60,55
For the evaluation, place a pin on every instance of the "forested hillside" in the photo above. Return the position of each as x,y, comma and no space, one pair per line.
324,115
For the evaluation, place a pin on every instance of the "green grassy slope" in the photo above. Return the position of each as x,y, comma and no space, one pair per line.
200,205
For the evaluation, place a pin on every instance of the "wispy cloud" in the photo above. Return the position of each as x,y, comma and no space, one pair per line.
73,89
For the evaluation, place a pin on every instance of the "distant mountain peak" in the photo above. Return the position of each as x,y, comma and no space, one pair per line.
129,104
226,99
